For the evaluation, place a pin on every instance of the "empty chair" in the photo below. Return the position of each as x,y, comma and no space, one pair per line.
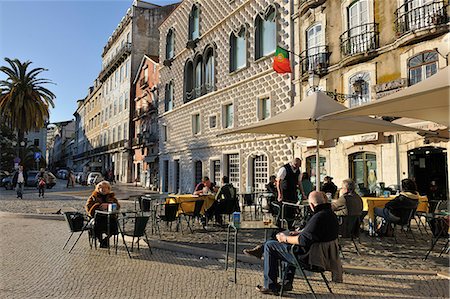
134,226
349,228
77,222
169,216
189,215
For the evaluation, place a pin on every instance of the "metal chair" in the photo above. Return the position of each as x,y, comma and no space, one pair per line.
77,222
196,213
134,226
349,228
405,225
169,216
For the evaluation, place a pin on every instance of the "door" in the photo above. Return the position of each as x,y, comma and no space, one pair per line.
314,41
260,173
358,17
363,170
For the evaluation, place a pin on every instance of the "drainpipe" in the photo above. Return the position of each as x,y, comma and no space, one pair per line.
292,48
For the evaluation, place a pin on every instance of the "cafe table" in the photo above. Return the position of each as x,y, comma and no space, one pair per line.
115,213
370,203
256,225
187,202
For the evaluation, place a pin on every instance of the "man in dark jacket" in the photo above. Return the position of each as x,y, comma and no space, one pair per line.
322,227
225,194
328,186
18,181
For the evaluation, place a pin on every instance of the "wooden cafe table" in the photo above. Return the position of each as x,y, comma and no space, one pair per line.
189,202
370,203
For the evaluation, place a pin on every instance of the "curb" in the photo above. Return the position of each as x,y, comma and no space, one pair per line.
210,253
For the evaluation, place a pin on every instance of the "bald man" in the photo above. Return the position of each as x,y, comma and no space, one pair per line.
322,227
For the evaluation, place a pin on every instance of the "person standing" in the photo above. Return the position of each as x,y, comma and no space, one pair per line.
18,181
70,179
288,182
41,179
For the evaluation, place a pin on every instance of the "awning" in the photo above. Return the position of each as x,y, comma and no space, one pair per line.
150,159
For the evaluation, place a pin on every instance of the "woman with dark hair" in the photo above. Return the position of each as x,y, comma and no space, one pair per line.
399,209
307,185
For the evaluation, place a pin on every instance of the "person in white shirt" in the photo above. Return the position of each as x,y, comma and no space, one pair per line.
19,181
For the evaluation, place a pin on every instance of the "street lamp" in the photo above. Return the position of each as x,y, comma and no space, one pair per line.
313,80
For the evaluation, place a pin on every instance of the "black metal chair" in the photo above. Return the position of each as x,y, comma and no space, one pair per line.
405,225
134,226
439,227
300,264
169,216
349,229
78,222
196,213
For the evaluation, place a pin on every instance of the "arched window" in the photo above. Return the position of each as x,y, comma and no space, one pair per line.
168,99
188,81
359,84
198,76
209,70
422,66
238,50
194,23
170,40
265,34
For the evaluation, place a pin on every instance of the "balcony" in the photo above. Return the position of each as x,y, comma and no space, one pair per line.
424,21
141,112
143,83
115,62
305,5
315,59
150,137
359,43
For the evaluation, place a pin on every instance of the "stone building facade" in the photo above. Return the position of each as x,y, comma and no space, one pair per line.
364,50
217,75
107,145
145,119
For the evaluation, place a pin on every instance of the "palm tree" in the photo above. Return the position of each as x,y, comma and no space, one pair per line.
24,102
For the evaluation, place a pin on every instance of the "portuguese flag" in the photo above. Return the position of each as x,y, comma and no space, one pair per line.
281,63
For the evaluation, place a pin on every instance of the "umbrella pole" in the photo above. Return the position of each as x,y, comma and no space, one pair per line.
317,161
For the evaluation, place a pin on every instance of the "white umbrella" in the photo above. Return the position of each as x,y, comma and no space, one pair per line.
426,100
303,120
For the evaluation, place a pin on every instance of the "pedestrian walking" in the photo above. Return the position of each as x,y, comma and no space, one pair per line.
70,179
41,179
18,181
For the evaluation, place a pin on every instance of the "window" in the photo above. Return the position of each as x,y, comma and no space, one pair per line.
238,50
422,66
212,121
164,133
125,100
233,169
115,106
119,133
121,103
194,23
209,70
188,81
110,110
36,142
363,170
168,103
170,40
176,166
216,171
198,77
265,33
196,124
121,77
198,170
360,85
165,183
125,131
228,118
361,35
263,108
114,135
127,68
314,47
146,73
260,173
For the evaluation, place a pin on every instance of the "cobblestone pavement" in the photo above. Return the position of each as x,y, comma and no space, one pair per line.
33,265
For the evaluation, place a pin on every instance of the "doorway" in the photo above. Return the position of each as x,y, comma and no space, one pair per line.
427,164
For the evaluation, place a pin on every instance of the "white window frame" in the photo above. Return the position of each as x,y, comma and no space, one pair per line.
225,116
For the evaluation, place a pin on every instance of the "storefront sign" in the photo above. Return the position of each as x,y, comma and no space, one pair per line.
388,88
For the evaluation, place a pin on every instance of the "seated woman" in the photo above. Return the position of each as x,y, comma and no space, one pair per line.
99,200
398,209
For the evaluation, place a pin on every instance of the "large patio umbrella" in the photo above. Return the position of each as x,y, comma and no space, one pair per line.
426,100
303,120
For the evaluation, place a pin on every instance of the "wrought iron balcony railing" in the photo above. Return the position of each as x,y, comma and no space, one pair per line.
315,59
118,58
360,39
413,16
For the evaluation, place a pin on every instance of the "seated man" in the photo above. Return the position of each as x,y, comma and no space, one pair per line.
322,227
204,187
225,194
349,202
328,186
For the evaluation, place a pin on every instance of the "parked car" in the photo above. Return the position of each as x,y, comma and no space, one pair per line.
80,178
62,174
94,178
3,174
7,182
31,178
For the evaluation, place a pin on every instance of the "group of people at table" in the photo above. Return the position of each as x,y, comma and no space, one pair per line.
322,225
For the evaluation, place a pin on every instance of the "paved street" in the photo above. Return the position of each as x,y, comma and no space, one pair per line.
34,266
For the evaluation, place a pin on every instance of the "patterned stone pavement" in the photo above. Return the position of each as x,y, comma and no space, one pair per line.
33,265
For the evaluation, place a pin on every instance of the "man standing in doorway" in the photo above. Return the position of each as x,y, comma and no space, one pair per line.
288,181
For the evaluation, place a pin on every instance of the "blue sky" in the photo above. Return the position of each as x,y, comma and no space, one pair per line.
66,37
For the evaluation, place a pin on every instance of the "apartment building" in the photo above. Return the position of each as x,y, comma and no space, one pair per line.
217,75
358,52
145,122
104,117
